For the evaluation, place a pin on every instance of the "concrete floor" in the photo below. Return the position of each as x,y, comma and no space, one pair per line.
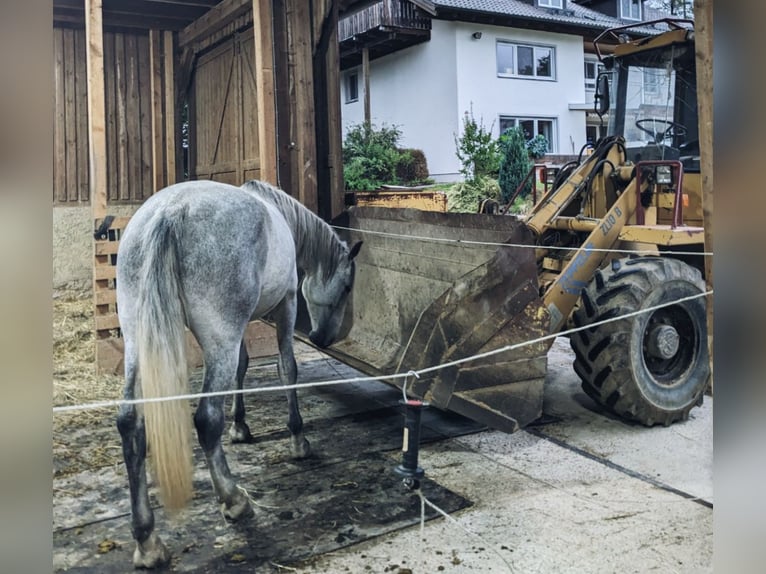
588,493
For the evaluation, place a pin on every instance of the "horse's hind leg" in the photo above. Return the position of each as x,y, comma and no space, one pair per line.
239,431
220,370
150,551
288,374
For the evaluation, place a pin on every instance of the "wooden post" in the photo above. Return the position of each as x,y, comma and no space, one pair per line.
155,74
703,34
94,33
170,108
264,78
366,74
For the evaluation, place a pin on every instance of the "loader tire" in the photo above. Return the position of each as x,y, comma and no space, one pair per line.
653,367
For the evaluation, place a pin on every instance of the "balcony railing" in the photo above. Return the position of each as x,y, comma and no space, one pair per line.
399,14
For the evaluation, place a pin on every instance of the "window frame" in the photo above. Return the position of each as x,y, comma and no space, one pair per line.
559,7
552,141
347,87
630,4
515,60
598,67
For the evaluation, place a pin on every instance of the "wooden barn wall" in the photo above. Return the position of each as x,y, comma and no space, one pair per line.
223,113
128,117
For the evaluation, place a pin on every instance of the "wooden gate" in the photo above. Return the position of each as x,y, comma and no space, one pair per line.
223,124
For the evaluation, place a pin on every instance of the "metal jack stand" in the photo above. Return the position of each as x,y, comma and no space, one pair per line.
409,470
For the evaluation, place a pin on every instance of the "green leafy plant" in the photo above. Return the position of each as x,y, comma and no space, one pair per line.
465,196
412,168
515,163
476,149
370,156
537,147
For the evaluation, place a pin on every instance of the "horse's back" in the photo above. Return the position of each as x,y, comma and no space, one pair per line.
229,242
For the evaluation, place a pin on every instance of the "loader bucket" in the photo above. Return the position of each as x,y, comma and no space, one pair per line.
419,303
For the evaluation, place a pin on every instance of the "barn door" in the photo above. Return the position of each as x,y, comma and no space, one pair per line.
223,129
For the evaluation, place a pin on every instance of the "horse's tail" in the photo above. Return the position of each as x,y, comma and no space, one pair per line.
162,368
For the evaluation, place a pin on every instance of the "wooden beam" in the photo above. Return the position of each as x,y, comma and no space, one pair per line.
366,75
703,40
215,19
155,71
264,78
170,108
94,32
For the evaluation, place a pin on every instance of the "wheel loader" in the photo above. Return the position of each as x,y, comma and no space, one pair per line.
616,238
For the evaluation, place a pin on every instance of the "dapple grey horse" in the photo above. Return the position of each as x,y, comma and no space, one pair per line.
211,257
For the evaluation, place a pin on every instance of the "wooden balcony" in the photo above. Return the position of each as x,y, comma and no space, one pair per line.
383,27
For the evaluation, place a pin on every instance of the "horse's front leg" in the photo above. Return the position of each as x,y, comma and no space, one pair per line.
239,431
288,374
220,368
150,551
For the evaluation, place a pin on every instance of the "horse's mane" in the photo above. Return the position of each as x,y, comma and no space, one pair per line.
316,245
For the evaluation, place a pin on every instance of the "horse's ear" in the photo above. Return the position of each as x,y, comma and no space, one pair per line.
355,250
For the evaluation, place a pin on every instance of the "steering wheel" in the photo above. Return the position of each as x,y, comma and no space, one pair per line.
674,129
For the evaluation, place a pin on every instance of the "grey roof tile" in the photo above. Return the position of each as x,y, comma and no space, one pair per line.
572,14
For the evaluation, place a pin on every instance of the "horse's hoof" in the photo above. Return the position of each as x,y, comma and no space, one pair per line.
238,510
152,553
301,447
239,433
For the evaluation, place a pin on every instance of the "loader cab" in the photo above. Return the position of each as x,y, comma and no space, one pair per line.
652,99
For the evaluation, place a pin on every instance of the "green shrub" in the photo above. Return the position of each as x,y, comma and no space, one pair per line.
465,197
537,147
412,168
515,164
476,149
370,156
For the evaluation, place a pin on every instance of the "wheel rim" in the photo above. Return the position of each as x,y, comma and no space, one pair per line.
669,344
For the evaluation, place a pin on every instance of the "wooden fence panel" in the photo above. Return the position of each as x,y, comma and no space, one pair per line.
128,117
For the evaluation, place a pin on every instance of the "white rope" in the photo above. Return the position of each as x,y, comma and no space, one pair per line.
415,373
520,245
424,501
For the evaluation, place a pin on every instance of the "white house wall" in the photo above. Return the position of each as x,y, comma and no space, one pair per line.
490,96
426,89
416,90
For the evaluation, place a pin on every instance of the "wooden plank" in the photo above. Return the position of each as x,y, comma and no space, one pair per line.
81,104
214,19
111,115
264,76
145,117
334,122
282,96
106,296
133,114
366,76
155,65
703,38
170,109
300,39
59,119
121,87
107,247
102,272
96,107
107,322
70,121
260,339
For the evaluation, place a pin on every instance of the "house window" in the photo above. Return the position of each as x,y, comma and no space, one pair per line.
653,78
630,9
532,127
525,61
550,3
592,69
352,87
594,132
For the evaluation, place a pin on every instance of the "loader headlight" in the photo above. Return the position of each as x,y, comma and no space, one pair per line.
663,174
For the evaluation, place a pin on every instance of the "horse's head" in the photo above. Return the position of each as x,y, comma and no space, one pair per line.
326,298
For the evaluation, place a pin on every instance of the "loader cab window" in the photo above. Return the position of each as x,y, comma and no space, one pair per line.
656,105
